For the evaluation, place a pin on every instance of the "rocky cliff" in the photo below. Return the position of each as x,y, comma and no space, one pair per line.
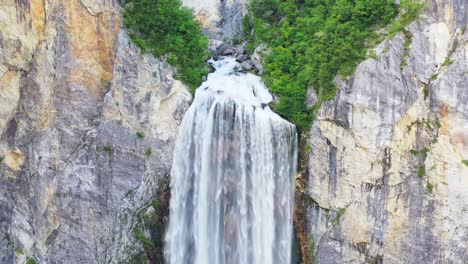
386,180
87,127
221,19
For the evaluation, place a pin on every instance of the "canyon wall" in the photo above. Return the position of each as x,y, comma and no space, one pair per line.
88,123
386,181
221,19
74,93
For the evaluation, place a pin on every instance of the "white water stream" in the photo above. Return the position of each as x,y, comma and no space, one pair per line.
232,182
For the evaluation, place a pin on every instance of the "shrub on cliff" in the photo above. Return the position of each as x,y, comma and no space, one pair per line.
164,27
313,40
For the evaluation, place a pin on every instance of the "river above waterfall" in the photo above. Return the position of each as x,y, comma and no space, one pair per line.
232,179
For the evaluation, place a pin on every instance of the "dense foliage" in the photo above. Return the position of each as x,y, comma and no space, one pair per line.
313,40
164,27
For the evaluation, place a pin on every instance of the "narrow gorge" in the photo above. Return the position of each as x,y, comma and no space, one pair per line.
108,153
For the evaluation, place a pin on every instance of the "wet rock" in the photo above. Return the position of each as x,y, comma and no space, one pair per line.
242,57
247,65
241,48
225,49
213,45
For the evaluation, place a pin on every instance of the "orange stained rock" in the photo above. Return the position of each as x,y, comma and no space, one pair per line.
93,44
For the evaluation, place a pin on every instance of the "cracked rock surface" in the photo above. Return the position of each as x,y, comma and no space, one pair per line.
385,180
74,92
220,19
385,175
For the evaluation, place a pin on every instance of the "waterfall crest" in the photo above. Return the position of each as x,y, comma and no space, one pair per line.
232,182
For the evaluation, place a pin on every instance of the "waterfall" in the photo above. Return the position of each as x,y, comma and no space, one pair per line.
233,174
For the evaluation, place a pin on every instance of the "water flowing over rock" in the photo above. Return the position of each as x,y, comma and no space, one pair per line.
233,175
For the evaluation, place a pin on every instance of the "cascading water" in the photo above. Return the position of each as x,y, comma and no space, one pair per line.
232,185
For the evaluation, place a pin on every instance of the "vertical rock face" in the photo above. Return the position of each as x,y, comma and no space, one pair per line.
74,92
386,175
221,19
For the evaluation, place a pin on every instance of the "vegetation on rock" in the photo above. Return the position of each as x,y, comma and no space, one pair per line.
409,10
311,246
164,27
339,214
311,41
140,135
148,152
421,171
149,228
107,149
430,187
31,261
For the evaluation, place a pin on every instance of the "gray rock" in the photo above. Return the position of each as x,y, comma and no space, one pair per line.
221,20
386,153
247,65
312,97
260,51
213,45
75,175
225,49
242,57
241,48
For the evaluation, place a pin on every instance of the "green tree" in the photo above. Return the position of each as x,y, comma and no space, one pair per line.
164,27
311,41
